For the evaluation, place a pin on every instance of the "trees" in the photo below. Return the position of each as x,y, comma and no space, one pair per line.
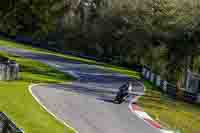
30,16
161,33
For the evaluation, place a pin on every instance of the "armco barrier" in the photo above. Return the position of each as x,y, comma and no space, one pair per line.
149,75
167,87
7,126
171,90
158,81
9,71
190,97
161,85
152,77
144,71
198,98
164,87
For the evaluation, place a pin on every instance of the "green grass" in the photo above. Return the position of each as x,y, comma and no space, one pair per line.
171,113
20,106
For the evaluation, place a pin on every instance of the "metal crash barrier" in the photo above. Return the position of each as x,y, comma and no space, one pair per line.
7,126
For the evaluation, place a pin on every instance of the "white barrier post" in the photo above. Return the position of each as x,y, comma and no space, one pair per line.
158,80
198,98
148,74
17,71
164,85
143,71
13,71
152,77
4,71
1,70
8,72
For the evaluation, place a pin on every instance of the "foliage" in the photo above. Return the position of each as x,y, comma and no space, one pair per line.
30,16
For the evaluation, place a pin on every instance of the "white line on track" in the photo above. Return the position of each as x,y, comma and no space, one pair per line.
60,120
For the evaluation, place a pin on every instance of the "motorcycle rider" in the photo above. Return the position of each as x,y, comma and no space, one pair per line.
123,92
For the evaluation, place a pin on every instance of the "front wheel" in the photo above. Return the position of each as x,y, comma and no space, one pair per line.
118,100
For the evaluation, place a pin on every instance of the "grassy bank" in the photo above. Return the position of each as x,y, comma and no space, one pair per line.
171,113
19,105
104,66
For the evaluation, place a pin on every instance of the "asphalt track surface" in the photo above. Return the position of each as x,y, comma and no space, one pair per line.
86,104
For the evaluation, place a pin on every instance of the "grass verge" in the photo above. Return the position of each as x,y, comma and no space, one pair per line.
20,106
171,113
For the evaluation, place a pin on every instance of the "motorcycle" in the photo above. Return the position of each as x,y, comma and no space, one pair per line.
123,93
121,97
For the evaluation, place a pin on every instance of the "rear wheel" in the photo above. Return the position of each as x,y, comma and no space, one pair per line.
118,100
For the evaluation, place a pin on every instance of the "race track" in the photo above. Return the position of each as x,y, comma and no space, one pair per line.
86,104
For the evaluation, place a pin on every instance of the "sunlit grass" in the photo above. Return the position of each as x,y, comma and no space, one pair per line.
174,114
